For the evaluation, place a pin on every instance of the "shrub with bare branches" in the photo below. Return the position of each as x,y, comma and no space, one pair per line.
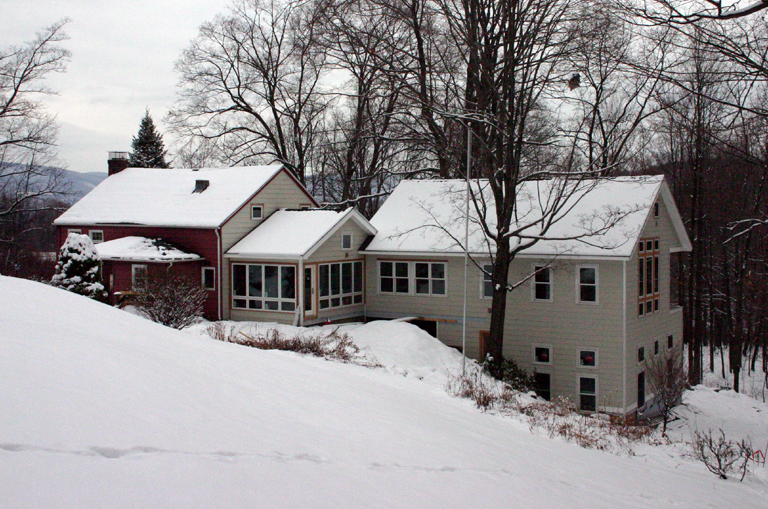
174,301
720,455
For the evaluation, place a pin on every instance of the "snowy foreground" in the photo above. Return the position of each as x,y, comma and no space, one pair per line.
101,408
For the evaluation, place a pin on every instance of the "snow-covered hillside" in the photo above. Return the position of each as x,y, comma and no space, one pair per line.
100,408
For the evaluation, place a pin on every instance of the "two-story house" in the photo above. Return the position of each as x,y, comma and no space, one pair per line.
595,301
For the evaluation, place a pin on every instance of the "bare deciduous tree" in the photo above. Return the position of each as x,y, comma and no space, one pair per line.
665,373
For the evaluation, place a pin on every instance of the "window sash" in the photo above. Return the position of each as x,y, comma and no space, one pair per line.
264,287
341,284
648,276
542,283
587,284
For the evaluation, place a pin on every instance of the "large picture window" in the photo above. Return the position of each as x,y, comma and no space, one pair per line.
264,287
648,276
340,284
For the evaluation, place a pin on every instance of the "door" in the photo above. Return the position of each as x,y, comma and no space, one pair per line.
309,292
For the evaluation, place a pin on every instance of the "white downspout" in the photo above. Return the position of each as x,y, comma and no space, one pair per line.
300,305
218,275
624,339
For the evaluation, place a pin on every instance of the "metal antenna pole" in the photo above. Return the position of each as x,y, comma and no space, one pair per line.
466,254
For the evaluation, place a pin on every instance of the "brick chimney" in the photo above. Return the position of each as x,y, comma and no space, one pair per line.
117,162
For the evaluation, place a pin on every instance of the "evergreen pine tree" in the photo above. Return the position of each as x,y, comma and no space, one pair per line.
78,269
148,148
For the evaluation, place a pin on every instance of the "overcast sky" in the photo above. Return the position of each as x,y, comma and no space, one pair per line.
123,53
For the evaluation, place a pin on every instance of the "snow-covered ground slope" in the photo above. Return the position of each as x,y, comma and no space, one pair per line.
100,408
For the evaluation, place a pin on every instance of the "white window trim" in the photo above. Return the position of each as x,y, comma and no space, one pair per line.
341,295
533,283
587,349
261,213
412,278
482,281
597,389
430,279
202,276
351,241
280,299
90,234
597,285
134,269
534,346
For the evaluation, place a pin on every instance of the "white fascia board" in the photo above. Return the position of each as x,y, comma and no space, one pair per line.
677,221
481,256
262,257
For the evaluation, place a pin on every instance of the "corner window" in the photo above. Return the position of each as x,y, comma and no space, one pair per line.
138,276
487,281
429,278
97,236
588,358
264,287
587,283
340,284
209,278
641,354
257,212
394,277
588,393
542,283
346,241
648,276
542,354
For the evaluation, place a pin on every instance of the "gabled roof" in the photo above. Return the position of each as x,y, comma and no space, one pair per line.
295,233
166,197
141,249
599,217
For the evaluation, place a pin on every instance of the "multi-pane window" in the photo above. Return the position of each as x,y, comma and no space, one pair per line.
138,276
588,358
429,278
394,277
97,236
264,287
420,278
648,276
588,393
340,284
587,284
542,283
488,281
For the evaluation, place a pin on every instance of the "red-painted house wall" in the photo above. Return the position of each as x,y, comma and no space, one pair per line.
200,241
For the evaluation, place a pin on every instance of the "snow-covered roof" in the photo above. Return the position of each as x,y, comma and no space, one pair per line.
592,218
141,249
166,197
295,233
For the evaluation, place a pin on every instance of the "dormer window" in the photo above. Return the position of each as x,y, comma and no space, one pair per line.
257,212
201,185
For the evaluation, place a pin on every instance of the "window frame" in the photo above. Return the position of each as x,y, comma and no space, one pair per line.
78,231
203,270
91,234
640,354
486,272
260,207
411,277
263,299
351,237
356,297
670,341
537,269
587,394
595,352
537,362
136,284
579,284
648,280
641,376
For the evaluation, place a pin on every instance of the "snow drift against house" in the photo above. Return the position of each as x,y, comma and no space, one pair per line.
606,215
165,197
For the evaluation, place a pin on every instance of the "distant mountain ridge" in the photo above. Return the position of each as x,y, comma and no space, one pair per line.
82,183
